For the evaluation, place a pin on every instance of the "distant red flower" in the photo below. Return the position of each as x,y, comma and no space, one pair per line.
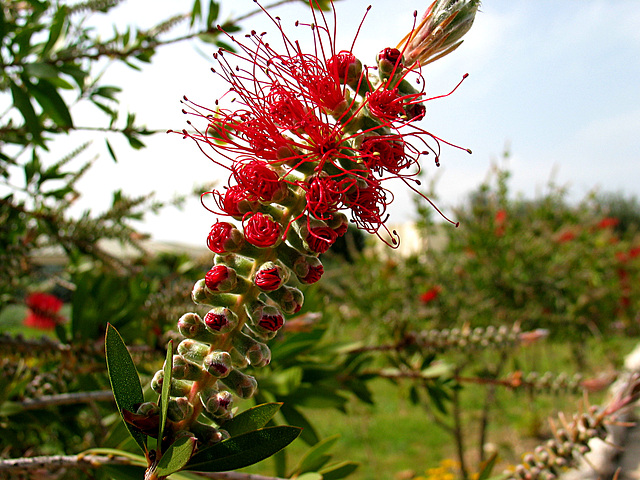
43,311
608,222
566,236
430,294
634,252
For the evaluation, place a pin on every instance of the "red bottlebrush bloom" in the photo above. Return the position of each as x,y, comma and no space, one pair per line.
634,252
261,231
271,322
430,294
224,237
566,236
385,153
315,272
269,277
220,278
43,311
259,180
320,239
608,222
325,195
386,104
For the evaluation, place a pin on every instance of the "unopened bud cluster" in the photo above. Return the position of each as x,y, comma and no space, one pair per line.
470,339
554,383
567,446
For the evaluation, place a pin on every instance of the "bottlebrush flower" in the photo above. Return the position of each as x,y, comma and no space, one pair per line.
221,279
269,277
43,311
319,239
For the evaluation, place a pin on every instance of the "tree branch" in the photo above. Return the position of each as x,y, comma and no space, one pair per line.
66,399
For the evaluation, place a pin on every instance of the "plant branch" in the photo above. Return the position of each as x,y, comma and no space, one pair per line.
66,399
60,461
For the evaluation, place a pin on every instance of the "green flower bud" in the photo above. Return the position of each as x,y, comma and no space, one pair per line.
191,326
203,296
179,388
289,299
217,404
193,351
242,385
178,409
184,370
257,353
218,363
206,434
220,320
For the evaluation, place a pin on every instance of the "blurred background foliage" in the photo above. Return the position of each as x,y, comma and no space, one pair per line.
407,357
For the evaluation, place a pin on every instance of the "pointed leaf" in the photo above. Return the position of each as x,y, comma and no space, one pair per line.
251,419
54,31
243,450
111,152
164,396
214,9
487,467
23,103
295,417
317,456
338,471
176,456
52,103
124,379
310,476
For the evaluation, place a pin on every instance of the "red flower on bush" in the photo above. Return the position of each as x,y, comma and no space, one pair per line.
43,311
608,222
430,294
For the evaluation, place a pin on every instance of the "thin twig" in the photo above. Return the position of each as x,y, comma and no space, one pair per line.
66,399
60,461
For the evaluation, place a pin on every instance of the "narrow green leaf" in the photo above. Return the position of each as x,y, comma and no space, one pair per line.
487,467
251,419
317,456
338,471
22,102
55,30
196,12
111,152
310,476
214,9
164,396
124,379
52,103
135,459
293,416
243,450
40,70
176,456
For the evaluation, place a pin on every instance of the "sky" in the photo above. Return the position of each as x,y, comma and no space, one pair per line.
554,83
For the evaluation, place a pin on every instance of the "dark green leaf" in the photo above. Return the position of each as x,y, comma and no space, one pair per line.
487,467
111,152
40,70
338,471
22,102
134,142
251,419
107,92
52,103
176,456
57,24
243,450
196,12
317,456
164,396
214,9
124,379
295,417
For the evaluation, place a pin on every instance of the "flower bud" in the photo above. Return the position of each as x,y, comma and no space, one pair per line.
257,353
314,271
178,409
191,326
389,62
206,434
218,363
339,223
262,231
203,296
148,408
184,370
242,385
193,351
320,238
346,67
179,388
224,237
217,404
220,320
266,320
220,279
290,299
270,276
